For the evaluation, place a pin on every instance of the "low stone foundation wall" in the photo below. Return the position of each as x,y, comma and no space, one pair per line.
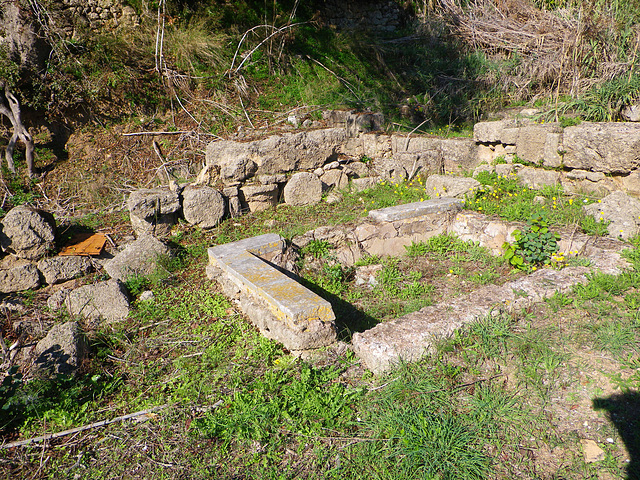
286,311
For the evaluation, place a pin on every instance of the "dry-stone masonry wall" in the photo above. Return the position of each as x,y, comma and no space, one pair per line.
375,15
74,17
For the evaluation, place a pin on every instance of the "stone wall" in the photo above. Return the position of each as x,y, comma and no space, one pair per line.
592,157
73,17
375,15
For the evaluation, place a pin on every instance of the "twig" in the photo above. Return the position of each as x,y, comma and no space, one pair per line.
384,385
346,84
136,134
51,436
248,55
245,113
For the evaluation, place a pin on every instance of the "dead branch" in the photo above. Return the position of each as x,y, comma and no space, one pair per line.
248,54
551,46
137,134
10,108
51,436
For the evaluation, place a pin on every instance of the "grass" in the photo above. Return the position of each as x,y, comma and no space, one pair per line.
504,196
241,405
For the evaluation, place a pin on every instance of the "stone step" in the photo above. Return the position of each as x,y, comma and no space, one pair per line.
278,305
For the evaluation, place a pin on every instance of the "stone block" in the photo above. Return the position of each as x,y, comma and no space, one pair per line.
303,188
602,147
153,211
279,306
488,132
446,186
552,146
537,178
417,209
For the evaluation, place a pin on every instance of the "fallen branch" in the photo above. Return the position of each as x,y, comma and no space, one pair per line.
136,134
51,436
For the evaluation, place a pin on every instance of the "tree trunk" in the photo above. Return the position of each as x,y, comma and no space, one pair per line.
10,108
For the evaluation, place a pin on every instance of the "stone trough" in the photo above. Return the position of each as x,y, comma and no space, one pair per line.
286,311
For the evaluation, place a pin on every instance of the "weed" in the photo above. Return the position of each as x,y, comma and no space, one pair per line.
535,244
317,248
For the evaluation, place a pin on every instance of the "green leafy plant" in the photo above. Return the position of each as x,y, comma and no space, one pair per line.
317,248
534,245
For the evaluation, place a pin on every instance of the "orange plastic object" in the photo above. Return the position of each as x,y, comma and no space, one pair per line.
85,244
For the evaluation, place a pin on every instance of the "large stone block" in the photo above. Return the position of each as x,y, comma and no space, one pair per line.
602,147
288,152
454,187
459,154
376,145
260,197
153,211
537,178
532,141
303,188
279,306
488,132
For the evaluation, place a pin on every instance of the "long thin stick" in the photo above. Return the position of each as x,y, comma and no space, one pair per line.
102,423
136,134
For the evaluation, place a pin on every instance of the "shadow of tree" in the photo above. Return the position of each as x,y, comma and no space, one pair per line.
623,409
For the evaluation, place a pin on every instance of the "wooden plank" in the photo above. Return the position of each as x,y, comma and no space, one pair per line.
87,244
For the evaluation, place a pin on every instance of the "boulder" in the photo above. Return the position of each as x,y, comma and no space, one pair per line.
202,206
288,152
153,211
104,301
62,350
27,232
358,123
447,186
631,113
260,197
139,258
60,269
621,210
602,147
334,179
17,275
303,188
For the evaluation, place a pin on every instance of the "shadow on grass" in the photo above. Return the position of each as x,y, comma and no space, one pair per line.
623,409
349,319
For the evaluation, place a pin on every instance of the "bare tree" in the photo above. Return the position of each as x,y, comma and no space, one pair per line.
21,40
10,108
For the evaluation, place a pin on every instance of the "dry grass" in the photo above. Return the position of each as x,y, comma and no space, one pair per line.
565,50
